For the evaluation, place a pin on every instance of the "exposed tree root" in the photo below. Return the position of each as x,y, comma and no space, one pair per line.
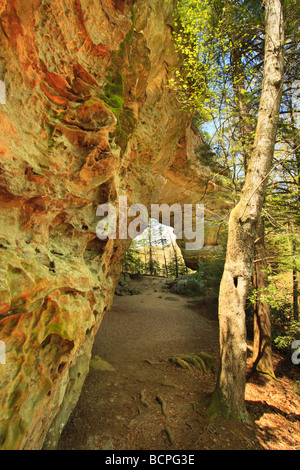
162,402
170,436
181,363
143,399
201,361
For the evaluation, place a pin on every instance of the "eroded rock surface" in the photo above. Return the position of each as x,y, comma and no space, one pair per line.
89,117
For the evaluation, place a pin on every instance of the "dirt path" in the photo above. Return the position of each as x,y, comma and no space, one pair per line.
148,403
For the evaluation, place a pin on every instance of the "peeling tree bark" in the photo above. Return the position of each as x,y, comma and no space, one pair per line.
229,396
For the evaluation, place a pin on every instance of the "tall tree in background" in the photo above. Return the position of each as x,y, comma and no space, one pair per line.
291,136
262,343
175,257
246,56
164,243
150,240
230,390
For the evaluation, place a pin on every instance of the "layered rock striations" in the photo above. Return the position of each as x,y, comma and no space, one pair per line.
89,117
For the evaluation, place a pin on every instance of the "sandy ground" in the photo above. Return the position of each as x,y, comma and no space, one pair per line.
148,403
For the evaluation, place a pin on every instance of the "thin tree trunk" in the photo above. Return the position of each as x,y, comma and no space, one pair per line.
150,249
165,259
295,274
296,293
145,258
262,344
295,143
229,395
176,259
163,248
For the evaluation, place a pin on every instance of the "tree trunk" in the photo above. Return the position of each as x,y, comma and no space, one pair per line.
150,248
162,241
295,274
262,321
238,79
176,259
165,260
295,141
296,293
262,345
229,396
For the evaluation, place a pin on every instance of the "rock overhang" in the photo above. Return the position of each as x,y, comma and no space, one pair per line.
89,117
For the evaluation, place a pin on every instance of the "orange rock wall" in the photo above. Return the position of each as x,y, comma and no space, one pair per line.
89,116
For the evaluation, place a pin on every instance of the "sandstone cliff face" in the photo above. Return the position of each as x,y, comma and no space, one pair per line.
89,117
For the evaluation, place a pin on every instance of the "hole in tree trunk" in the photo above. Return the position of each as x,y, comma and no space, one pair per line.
235,280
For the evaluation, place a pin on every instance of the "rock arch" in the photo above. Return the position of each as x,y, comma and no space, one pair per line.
89,116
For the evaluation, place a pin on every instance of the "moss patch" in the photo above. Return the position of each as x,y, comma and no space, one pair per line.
113,95
129,35
114,90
